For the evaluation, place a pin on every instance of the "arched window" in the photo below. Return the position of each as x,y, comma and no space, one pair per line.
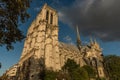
51,18
47,16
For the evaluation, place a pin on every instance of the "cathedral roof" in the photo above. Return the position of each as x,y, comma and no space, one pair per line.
70,47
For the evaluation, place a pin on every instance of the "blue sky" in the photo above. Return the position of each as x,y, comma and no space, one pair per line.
70,15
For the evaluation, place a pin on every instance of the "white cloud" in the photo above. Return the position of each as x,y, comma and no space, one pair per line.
68,39
37,9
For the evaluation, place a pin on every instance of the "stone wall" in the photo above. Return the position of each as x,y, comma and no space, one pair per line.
71,52
31,69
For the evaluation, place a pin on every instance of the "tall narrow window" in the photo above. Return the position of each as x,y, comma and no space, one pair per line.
51,18
47,16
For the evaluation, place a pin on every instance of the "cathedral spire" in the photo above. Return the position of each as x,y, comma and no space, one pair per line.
78,38
91,40
78,34
95,41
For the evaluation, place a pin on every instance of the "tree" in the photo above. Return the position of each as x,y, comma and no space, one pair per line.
80,74
12,12
75,71
50,75
112,66
70,65
63,75
91,72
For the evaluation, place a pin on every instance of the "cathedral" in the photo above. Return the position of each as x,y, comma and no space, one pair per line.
42,44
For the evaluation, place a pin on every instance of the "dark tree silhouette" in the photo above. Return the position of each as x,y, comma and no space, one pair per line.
112,65
12,12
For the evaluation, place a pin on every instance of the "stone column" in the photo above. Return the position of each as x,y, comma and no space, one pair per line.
55,48
43,14
48,52
56,19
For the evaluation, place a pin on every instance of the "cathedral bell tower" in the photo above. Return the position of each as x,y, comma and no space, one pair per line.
51,38
42,39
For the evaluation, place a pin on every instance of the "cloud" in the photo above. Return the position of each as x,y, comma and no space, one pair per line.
100,18
68,39
37,9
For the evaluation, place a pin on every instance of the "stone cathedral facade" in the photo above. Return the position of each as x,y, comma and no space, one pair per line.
42,38
42,43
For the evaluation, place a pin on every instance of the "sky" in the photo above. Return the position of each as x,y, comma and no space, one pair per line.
95,18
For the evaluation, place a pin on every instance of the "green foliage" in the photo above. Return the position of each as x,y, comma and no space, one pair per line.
74,71
70,65
12,12
91,72
80,74
63,75
112,66
50,75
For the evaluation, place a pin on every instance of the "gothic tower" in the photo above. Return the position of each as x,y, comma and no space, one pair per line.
42,39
